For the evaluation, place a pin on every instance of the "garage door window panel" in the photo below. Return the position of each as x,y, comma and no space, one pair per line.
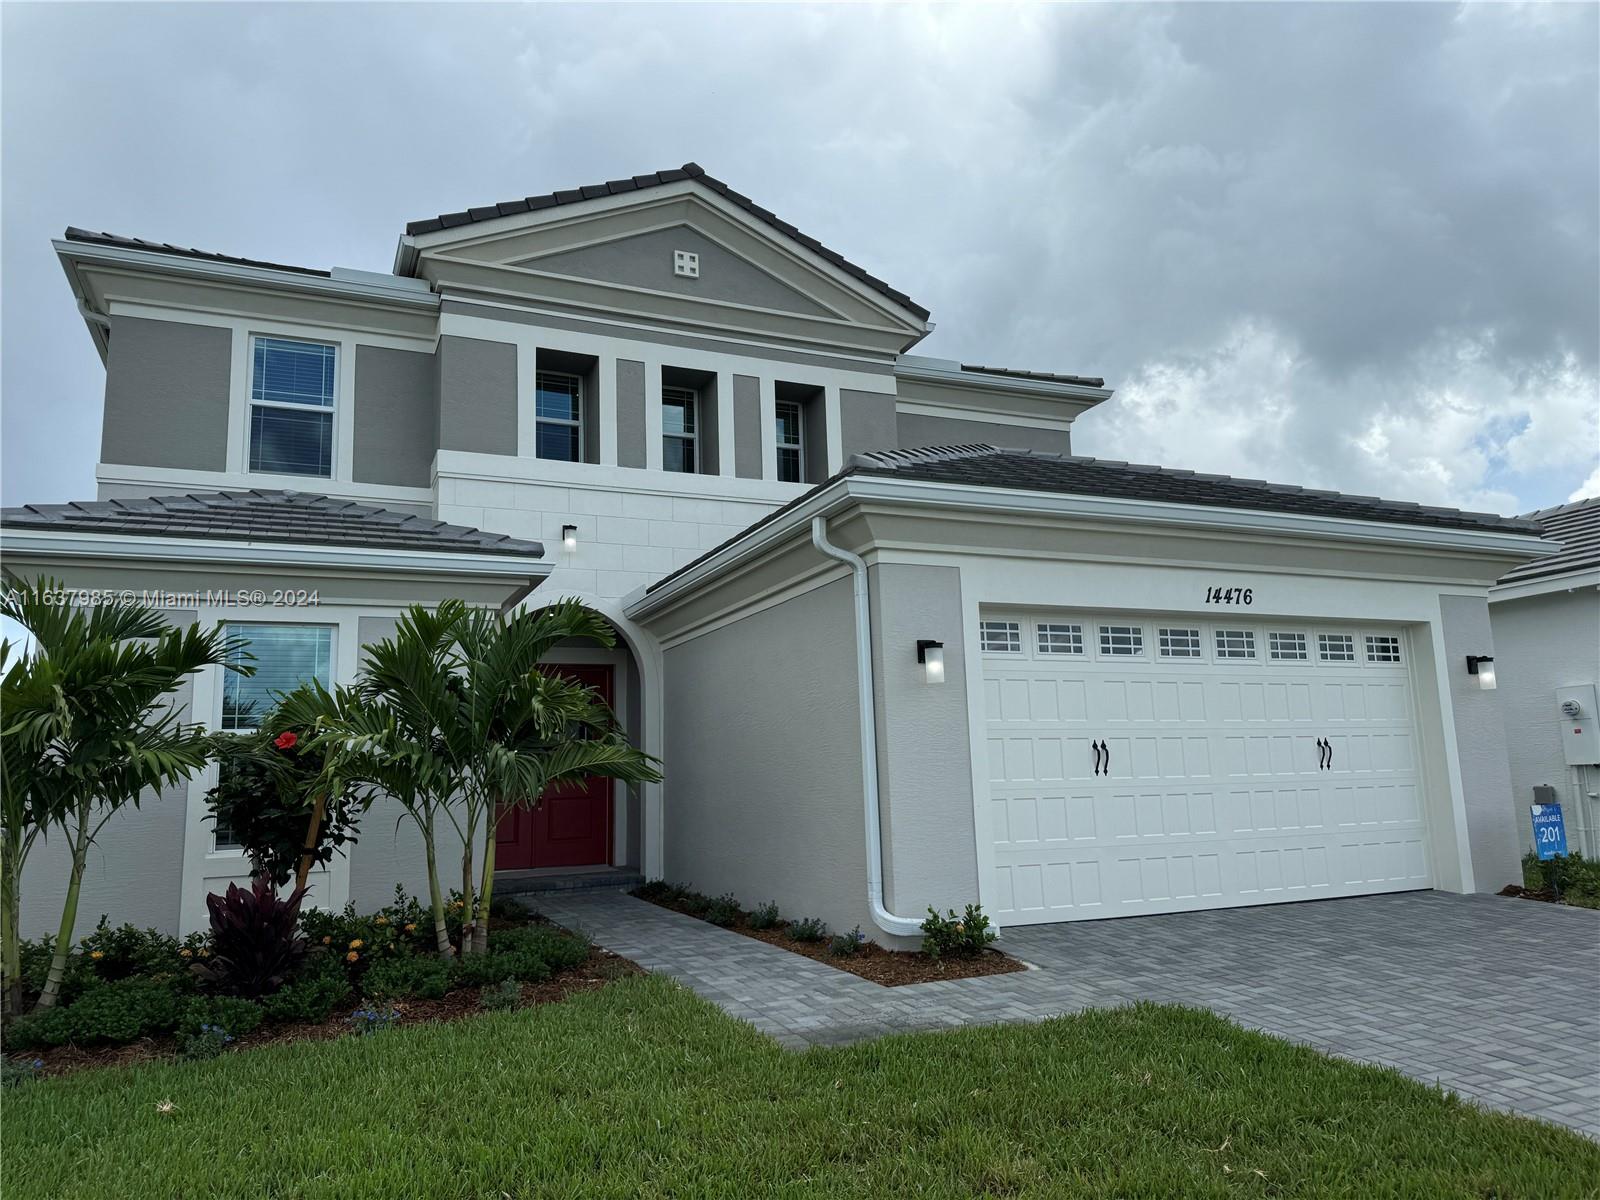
1383,648
1000,637
1235,644
1056,638
1178,642
1286,647
1121,641
1336,647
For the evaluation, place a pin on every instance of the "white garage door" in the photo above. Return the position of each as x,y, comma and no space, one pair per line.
1154,764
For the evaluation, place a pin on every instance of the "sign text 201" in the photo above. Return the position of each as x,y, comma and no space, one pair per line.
1232,595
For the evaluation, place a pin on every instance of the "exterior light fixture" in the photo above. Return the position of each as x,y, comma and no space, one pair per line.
569,537
931,656
1483,667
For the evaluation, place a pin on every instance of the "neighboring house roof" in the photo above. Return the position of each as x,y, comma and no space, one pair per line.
640,183
74,234
1576,527
1047,376
982,465
267,516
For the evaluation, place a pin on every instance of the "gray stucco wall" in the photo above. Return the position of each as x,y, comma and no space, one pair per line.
763,770
867,422
645,260
747,426
134,873
477,395
924,759
630,413
1542,643
916,429
167,387
1481,745
396,416
814,416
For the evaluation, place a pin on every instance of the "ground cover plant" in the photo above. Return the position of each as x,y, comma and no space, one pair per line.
267,974
643,1089
953,947
1571,878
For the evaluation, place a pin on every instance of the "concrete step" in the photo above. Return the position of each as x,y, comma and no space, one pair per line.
529,883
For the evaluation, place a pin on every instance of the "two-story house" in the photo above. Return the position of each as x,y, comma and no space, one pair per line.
895,644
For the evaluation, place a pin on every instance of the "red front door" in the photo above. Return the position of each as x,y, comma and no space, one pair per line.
571,827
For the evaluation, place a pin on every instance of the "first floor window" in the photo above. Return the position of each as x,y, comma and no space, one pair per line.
291,406
679,429
558,416
791,443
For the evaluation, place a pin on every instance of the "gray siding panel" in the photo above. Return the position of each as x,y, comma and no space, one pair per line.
918,430
867,422
1481,745
396,417
763,767
630,413
747,426
167,387
477,395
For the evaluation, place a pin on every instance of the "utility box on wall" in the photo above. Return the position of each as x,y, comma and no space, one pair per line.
1580,724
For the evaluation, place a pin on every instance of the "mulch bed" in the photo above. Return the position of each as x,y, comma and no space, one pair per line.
891,968
601,968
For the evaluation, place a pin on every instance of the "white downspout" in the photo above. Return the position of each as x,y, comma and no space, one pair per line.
881,916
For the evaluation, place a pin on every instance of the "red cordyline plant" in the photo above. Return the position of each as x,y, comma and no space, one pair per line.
255,939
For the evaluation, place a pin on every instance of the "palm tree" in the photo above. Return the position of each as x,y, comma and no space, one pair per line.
88,726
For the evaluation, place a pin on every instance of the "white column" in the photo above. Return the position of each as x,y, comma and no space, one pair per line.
652,414
769,428
607,409
238,458
725,432
830,422
527,399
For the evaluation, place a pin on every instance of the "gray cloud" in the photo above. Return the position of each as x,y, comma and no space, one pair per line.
1351,246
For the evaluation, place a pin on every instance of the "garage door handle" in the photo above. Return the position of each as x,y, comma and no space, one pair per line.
1105,750
1324,754
1095,748
1330,755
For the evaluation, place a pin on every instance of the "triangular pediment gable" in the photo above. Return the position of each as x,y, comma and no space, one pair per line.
626,244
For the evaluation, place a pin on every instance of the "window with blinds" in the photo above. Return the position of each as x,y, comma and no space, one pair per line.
285,657
291,406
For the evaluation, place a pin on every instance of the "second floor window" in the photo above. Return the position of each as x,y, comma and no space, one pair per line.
559,404
291,406
791,443
679,429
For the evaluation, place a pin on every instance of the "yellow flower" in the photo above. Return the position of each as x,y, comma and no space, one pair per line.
411,928
380,920
204,953
327,940
186,953
351,957
356,945
97,954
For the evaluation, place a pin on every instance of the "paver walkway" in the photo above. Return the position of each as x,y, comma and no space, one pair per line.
1497,999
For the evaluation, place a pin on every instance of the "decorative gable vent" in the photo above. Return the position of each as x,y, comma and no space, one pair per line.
686,263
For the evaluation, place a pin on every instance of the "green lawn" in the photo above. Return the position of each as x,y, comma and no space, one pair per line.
642,1089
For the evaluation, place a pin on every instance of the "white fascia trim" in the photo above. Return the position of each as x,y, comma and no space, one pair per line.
978,381
1573,581
198,268
1150,512
989,416
291,556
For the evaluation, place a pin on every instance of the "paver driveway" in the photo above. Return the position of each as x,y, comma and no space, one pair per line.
1497,999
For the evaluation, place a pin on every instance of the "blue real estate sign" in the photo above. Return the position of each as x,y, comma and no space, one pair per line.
1549,831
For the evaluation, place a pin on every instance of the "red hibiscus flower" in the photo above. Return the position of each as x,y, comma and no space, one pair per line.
286,740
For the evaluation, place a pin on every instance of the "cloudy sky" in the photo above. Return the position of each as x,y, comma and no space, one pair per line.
1350,246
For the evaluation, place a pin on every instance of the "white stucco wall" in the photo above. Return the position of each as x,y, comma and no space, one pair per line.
1542,643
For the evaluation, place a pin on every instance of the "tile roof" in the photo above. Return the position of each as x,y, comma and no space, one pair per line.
982,465
1577,527
74,234
640,183
1046,376
268,516
1039,471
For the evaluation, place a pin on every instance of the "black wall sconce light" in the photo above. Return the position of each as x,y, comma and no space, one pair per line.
931,656
569,537
1482,666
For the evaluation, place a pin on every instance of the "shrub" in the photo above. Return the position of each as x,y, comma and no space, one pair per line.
556,947
408,976
206,1042
477,970
808,929
37,1030
123,1011
233,1014
1577,878
695,904
499,996
723,911
658,891
14,1071
255,940
965,936
845,944
373,1020
400,927
311,998
35,955
125,951
765,916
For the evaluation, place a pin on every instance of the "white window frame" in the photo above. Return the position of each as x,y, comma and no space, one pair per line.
690,396
1323,635
577,423
1139,643
1014,639
217,846
331,409
799,443
1305,647
1164,650
1394,638
1070,633
1247,648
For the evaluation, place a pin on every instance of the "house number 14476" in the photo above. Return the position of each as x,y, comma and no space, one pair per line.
1216,595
